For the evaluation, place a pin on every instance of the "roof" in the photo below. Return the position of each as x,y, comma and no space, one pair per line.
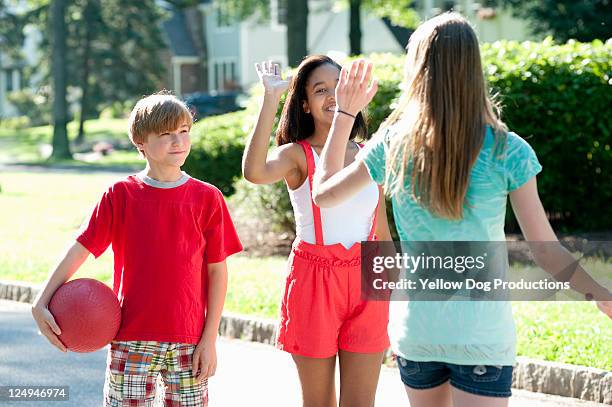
179,39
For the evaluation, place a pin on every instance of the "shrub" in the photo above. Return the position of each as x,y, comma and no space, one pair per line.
35,105
15,123
217,146
389,71
555,96
264,217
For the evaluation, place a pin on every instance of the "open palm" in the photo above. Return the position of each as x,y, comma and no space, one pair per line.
270,77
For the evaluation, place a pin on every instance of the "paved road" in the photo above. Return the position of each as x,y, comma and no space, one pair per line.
249,374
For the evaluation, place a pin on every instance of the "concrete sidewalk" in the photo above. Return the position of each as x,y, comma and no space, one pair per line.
249,373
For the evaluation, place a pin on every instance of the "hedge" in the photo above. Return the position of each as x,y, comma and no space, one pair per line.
217,143
558,98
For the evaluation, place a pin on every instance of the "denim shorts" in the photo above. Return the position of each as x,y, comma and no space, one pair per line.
482,380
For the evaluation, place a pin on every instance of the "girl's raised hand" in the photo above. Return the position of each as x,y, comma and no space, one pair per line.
355,88
270,77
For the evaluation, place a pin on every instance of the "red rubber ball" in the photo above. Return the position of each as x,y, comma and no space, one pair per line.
88,314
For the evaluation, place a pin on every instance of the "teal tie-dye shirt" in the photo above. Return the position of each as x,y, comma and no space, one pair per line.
460,332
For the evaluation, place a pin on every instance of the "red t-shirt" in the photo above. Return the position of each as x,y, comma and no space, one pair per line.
162,240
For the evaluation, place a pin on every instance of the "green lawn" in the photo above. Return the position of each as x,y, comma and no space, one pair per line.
27,145
569,332
41,212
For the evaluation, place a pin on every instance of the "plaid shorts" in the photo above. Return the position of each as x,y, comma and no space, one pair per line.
132,372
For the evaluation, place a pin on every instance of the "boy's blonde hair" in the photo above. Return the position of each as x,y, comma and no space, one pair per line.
445,109
157,114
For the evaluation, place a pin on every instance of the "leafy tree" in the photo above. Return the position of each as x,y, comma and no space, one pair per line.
11,33
582,20
61,147
115,47
108,50
399,12
242,9
297,31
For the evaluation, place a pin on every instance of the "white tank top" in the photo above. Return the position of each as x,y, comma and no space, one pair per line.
347,223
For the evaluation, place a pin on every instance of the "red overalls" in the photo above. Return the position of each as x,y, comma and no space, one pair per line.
322,310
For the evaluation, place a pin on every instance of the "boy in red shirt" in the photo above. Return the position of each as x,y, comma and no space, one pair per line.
170,235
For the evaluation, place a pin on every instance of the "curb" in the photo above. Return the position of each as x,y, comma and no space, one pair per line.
580,382
15,291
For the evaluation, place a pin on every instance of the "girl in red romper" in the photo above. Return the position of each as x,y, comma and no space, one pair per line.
323,315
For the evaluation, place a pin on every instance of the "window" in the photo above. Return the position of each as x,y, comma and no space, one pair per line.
278,12
225,77
217,76
8,80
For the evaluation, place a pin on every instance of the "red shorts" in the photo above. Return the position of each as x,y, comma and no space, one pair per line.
322,310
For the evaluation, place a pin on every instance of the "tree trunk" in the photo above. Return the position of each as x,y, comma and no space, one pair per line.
89,16
297,31
61,147
355,27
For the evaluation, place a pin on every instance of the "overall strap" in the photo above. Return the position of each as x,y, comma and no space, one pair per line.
316,211
375,219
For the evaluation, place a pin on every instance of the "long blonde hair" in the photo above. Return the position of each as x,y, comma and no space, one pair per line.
444,111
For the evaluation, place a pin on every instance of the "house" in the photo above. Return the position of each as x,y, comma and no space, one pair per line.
185,56
210,52
228,49
234,47
11,79
12,72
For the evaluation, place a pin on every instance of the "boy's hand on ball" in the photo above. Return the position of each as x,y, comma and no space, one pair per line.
204,360
47,326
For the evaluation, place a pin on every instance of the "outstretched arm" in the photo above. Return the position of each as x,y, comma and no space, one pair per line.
550,256
333,184
257,167
342,185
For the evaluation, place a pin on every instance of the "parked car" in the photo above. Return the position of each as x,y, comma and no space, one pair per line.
209,104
